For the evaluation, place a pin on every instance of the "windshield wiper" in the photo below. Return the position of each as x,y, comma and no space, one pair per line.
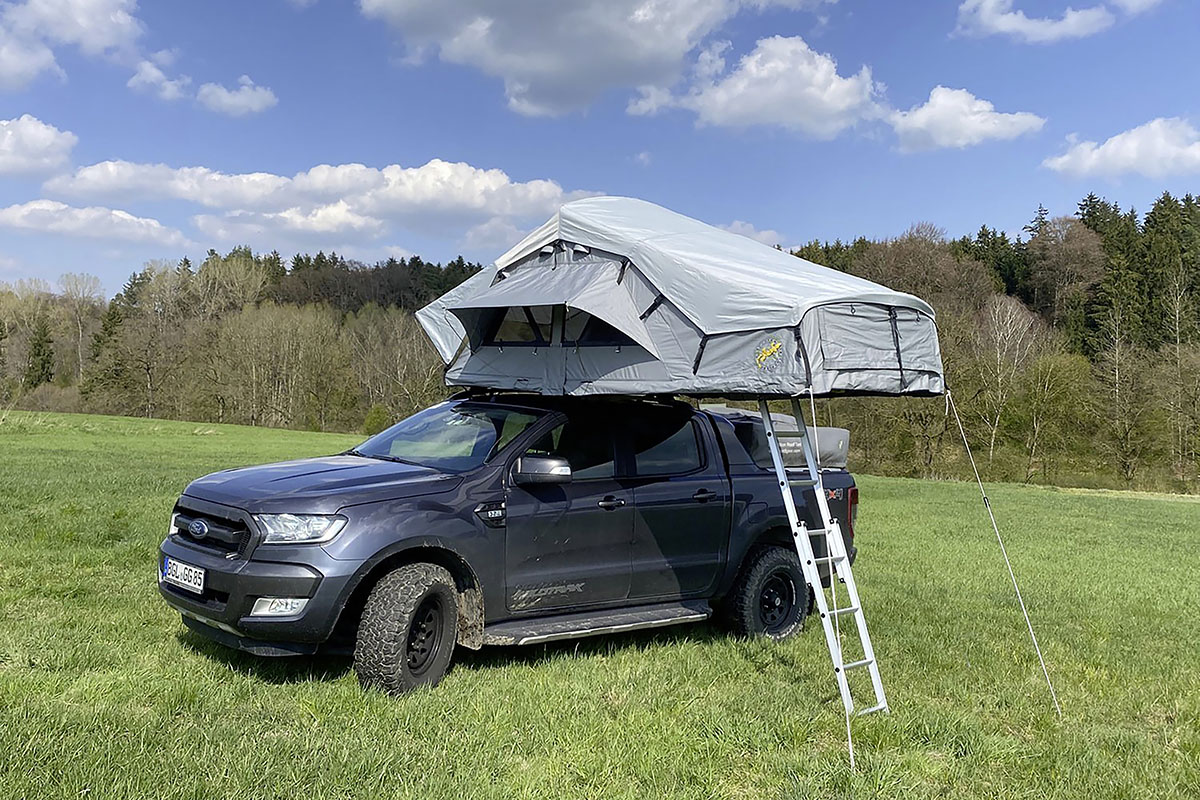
381,457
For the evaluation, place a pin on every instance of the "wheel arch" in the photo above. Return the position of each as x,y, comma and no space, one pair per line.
470,597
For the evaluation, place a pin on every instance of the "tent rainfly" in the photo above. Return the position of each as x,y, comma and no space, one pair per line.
619,296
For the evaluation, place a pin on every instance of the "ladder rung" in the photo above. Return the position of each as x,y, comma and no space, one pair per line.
837,612
789,434
828,559
802,481
871,710
857,664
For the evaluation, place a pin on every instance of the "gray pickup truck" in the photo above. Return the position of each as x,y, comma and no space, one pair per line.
496,519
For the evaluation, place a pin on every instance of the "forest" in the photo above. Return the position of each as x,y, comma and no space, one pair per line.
1072,350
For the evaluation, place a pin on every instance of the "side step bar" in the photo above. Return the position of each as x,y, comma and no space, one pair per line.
594,623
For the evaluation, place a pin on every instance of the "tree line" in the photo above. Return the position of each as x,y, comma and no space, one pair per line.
1072,349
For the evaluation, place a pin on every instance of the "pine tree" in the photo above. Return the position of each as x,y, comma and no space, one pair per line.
273,267
1039,222
39,367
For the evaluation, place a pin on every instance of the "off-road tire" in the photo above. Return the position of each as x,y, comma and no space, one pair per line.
767,567
393,629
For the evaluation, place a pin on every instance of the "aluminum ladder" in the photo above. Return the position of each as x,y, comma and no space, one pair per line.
835,556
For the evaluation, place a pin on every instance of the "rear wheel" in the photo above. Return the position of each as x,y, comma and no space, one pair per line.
771,597
408,628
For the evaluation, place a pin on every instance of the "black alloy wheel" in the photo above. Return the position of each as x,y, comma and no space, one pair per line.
777,602
425,635
771,597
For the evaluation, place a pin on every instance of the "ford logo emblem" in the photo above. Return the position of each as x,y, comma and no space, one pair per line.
197,529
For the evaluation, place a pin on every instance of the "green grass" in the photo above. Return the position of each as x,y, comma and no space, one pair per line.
103,694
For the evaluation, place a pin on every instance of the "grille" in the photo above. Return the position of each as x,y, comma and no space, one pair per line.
223,536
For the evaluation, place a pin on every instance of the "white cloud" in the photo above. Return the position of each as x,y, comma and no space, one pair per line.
248,98
561,56
957,118
96,27
496,235
1158,149
23,59
29,145
433,189
48,216
30,30
334,218
782,82
644,158
998,17
206,187
150,77
350,199
1135,6
766,236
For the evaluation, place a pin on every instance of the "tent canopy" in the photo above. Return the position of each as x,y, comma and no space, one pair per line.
616,295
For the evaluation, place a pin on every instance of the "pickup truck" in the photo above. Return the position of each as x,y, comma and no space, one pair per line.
497,519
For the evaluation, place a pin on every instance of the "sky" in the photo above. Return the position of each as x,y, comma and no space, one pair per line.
135,131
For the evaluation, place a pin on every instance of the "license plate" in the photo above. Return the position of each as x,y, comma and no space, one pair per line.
183,575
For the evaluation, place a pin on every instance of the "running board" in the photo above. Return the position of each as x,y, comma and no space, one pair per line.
594,623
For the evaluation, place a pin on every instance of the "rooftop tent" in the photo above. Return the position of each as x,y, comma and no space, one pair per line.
619,296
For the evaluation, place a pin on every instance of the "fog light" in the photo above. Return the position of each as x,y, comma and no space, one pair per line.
278,606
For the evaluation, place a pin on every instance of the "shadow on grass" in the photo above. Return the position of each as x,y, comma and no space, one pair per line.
300,669
279,670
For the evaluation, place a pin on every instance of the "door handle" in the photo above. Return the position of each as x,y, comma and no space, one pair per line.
704,495
611,503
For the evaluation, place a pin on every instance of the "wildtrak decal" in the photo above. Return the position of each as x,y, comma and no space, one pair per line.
523,597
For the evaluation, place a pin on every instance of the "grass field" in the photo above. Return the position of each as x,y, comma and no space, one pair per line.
103,694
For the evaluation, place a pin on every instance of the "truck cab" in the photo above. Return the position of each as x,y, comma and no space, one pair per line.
501,518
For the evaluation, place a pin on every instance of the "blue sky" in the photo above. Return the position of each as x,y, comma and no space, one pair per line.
132,131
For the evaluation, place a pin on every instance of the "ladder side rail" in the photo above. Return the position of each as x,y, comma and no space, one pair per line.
803,546
835,545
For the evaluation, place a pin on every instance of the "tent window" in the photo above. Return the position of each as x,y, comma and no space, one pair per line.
522,325
581,329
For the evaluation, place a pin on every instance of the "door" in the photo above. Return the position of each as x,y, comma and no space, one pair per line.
681,521
568,545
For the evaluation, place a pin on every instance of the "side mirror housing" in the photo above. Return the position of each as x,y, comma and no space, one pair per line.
531,470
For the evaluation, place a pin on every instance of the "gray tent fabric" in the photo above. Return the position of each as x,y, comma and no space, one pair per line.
619,296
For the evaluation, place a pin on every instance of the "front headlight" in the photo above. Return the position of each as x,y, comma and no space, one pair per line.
300,528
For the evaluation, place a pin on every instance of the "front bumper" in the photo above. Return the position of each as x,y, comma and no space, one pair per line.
232,584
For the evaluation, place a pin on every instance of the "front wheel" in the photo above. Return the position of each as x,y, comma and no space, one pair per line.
408,628
771,597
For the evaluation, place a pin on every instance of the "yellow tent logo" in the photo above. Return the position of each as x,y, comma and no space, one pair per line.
767,352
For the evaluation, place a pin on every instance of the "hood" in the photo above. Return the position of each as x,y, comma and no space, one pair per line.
318,485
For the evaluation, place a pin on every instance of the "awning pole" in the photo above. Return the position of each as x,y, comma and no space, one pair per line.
988,505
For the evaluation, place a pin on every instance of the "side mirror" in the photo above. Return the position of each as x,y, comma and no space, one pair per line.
541,470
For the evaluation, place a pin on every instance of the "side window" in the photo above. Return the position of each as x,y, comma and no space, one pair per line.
522,325
665,444
587,448
583,330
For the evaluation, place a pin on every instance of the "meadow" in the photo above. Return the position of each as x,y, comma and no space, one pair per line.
104,695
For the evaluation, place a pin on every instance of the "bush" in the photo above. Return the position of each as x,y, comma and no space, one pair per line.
378,418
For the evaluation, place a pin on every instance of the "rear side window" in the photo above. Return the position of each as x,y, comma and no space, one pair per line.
665,444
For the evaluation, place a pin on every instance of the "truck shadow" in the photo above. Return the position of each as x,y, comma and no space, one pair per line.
332,666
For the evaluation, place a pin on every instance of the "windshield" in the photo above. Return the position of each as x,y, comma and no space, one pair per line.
452,436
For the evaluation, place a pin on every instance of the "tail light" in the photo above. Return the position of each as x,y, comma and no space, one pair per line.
851,509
